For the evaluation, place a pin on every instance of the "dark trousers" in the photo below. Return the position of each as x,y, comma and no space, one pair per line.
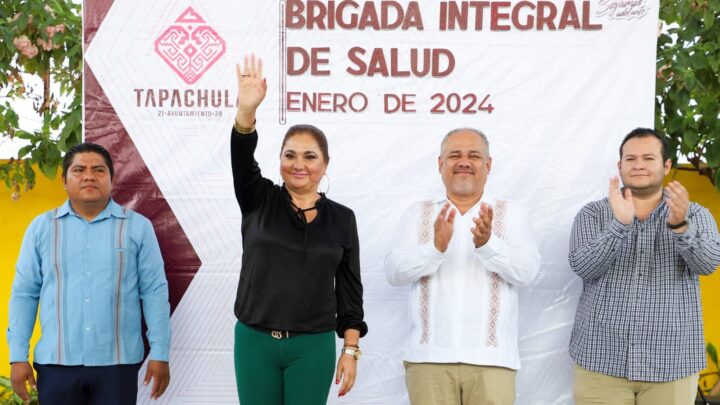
85,385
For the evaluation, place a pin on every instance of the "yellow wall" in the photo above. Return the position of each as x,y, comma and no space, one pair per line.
15,216
702,192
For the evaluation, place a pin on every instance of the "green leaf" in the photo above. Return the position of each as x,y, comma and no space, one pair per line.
712,353
714,65
20,134
29,174
675,124
48,168
12,118
70,134
24,151
690,81
46,123
708,18
664,39
698,59
712,154
683,97
690,138
682,62
74,50
22,22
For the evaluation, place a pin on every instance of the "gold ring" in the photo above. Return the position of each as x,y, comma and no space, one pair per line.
244,75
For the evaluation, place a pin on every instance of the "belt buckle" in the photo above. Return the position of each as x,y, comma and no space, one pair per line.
278,334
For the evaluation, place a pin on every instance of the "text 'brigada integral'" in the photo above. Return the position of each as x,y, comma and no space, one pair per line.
453,15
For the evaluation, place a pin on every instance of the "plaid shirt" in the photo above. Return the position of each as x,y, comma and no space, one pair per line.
639,315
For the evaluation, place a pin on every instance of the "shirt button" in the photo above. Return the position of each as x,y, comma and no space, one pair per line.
87,299
87,274
87,246
87,329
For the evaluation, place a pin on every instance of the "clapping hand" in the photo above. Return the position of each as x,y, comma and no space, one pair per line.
621,202
678,202
444,227
483,225
251,90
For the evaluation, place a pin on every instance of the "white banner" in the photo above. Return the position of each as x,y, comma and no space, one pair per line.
554,84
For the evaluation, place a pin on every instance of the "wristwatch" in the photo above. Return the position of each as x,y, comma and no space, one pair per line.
352,351
678,225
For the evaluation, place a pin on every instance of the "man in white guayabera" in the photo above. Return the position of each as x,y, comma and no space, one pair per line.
465,253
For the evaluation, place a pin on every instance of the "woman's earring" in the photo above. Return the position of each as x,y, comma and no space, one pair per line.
327,188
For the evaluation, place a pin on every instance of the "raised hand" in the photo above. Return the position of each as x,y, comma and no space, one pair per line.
678,201
444,227
483,225
621,203
251,90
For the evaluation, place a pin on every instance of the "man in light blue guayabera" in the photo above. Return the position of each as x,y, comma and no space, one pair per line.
89,265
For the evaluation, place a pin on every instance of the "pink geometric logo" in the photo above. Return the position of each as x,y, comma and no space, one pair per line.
190,46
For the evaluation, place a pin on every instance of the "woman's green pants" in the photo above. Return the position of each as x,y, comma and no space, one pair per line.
290,371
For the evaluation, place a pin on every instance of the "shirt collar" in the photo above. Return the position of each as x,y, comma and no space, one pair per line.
320,201
662,206
112,209
665,196
441,197
63,210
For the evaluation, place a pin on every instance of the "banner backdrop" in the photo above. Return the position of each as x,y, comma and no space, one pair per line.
554,84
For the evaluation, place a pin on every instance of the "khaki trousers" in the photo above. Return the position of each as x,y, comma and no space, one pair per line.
457,383
599,389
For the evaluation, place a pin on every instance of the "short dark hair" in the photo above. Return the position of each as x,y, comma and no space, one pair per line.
313,131
87,147
643,133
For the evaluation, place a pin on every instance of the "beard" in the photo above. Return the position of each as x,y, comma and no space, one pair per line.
464,186
645,190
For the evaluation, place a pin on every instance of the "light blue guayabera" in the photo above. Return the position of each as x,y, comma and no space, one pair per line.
89,279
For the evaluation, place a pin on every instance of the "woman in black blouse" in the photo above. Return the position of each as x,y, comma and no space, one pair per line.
300,277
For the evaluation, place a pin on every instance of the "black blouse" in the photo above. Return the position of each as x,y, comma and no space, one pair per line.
296,276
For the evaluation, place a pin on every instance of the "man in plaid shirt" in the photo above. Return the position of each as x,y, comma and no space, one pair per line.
638,334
